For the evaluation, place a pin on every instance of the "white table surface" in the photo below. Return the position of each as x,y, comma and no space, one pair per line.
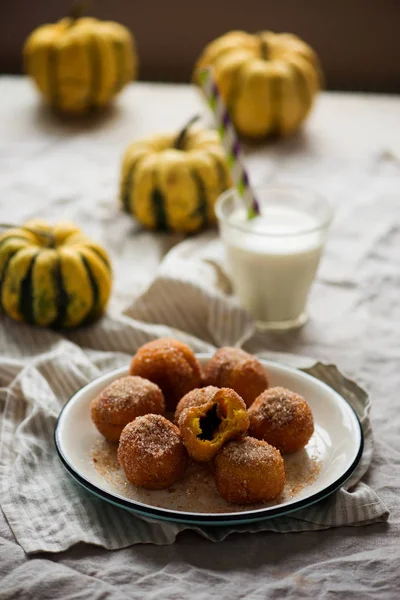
349,150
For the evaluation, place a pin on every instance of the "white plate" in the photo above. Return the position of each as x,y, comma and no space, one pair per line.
336,444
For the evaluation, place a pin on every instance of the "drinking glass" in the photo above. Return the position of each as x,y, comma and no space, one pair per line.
273,258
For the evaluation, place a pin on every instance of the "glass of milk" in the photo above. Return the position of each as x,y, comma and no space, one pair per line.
274,257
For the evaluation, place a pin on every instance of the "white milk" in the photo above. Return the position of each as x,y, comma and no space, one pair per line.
273,264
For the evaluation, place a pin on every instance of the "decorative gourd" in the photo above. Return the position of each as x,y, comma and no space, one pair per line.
80,64
268,80
52,276
171,182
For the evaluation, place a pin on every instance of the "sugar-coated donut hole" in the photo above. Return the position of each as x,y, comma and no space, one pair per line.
172,365
236,369
122,401
152,453
219,416
248,470
282,418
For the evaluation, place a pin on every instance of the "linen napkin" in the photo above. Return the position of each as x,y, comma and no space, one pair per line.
39,370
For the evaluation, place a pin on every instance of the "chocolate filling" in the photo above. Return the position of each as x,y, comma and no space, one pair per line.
209,424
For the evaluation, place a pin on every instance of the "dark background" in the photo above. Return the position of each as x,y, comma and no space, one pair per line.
358,41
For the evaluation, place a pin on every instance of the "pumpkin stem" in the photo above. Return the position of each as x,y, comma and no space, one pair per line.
264,50
77,9
182,134
51,240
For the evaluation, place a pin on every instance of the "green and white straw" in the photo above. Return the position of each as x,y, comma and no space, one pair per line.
230,142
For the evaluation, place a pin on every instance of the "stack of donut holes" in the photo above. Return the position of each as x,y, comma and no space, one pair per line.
225,415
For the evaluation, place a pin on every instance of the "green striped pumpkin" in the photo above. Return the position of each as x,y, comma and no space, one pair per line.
80,64
52,276
268,80
171,181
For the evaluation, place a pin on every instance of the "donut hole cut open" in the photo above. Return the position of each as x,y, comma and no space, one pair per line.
210,423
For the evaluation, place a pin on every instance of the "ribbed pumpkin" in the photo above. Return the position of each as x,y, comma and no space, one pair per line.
171,181
268,80
52,276
80,64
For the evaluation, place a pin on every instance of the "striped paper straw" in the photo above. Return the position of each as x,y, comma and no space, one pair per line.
230,142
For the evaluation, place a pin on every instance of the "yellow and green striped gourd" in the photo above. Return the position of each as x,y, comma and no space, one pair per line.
53,276
80,64
171,181
268,80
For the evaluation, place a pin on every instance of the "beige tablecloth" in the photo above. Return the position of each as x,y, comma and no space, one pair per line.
350,151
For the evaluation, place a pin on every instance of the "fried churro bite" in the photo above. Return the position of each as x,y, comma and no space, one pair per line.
152,453
236,369
281,418
171,365
122,401
218,415
249,471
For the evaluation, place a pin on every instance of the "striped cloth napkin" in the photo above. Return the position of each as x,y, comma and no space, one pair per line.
40,370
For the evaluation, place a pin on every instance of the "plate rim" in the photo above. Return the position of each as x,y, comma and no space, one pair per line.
217,519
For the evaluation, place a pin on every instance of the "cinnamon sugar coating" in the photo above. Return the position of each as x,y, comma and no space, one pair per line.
171,365
249,471
122,401
236,369
281,418
195,397
152,453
